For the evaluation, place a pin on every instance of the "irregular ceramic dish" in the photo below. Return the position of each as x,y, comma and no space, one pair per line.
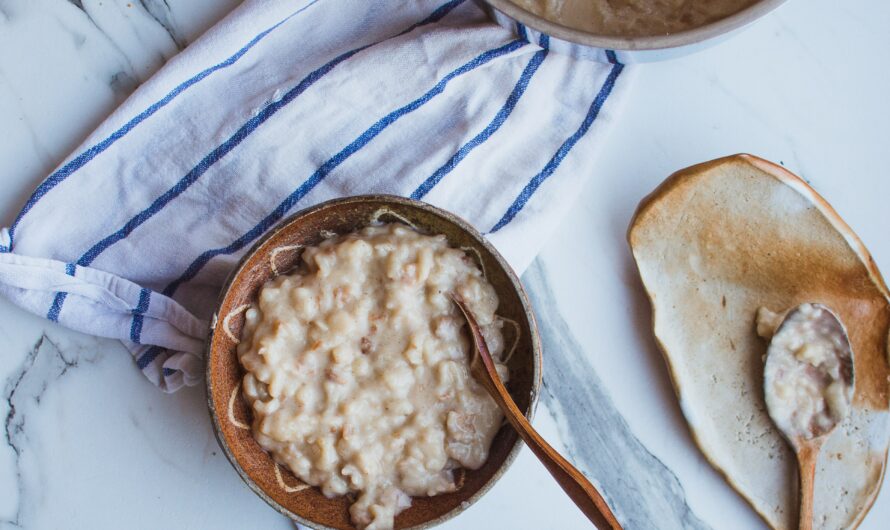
277,253
713,243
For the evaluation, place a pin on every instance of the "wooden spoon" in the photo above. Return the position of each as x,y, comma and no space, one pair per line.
572,481
809,347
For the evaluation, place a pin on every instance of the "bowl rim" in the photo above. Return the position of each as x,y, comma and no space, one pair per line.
537,349
653,42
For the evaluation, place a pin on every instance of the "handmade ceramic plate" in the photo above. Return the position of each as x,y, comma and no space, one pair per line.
715,242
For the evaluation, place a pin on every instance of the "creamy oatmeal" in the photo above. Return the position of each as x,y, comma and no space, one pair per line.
808,374
634,18
358,370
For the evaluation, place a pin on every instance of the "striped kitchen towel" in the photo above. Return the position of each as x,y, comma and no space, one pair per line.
280,106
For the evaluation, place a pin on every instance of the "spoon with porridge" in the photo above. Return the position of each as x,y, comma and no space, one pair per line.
808,384
572,481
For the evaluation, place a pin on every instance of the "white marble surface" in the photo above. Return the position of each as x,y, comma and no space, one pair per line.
91,444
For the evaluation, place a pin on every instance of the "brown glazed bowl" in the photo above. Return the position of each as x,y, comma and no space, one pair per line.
231,415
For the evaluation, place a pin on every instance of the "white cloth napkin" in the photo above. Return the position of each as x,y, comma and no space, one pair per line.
280,106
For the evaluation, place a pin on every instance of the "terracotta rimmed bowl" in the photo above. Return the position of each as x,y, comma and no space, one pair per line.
278,252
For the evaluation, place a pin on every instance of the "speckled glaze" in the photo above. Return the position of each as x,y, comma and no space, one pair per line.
713,243
279,487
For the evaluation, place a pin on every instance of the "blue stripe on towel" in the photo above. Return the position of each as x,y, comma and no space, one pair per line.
435,16
148,357
138,312
563,150
489,130
90,255
56,307
82,159
246,130
520,29
335,161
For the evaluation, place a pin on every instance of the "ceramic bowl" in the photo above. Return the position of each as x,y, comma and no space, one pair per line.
277,253
606,48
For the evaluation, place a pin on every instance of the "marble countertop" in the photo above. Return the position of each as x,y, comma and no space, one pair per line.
90,443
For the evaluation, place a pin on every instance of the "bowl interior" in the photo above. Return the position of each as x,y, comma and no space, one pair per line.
279,252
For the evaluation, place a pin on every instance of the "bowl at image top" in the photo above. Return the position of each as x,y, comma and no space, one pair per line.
589,45
278,252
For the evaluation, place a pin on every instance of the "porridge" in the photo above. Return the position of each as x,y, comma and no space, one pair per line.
808,375
358,369
634,18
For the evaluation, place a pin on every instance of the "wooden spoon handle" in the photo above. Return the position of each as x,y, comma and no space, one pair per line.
806,460
572,481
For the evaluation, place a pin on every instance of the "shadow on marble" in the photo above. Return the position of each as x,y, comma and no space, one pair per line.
643,492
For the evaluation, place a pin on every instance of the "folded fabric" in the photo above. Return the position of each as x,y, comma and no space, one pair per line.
283,105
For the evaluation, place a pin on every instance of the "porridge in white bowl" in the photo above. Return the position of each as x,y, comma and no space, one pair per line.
358,369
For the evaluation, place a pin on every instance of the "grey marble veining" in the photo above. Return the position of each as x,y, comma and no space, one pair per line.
66,64
88,443
807,86
644,493
136,34
160,11
43,366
